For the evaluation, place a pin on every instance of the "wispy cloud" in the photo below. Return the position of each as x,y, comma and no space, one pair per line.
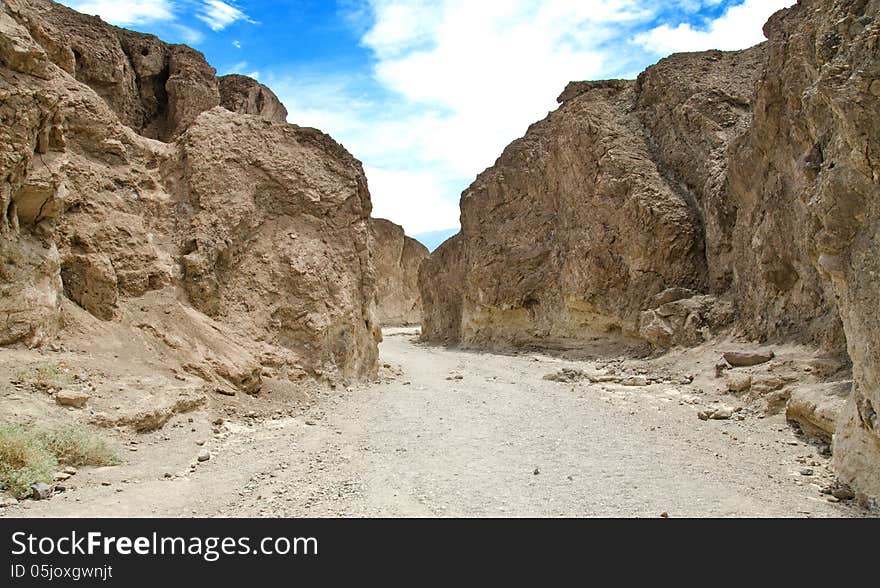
219,15
175,18
131,12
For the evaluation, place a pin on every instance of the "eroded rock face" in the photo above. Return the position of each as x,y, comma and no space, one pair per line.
397,259
570,234
248,96
278,243
745,184
812,157
238,251
155,88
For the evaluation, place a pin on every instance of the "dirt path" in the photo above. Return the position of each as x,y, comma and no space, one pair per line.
501,441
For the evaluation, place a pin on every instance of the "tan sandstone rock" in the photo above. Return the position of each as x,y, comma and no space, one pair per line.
230,247
248,96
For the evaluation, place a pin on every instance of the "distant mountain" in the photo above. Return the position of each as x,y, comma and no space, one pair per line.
434,239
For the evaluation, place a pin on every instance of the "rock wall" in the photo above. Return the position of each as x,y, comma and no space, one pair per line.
397,259
808,176
720,190
238,246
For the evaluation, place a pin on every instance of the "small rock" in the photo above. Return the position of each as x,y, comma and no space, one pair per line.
204,455
105,483
664,515
747,359
703,415
224,391
61,476
536,472
168,475
311,423
806,472
74,398
40,491
70,470
218,421
635,381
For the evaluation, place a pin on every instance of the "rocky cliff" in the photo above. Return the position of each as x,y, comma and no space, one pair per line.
232,244
719,192
397,259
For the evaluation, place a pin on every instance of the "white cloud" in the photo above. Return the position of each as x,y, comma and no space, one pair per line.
740,26
219,15
188,35
236,44
459,80
130,12
414,200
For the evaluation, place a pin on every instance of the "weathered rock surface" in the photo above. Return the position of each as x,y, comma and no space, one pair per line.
248,96
397,259
740,186
231,246
812,158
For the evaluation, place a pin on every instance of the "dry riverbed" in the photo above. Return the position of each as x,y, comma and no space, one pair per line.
459,433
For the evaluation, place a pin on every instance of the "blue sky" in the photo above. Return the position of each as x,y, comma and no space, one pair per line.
428,92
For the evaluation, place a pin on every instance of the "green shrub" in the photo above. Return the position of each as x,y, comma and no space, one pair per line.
29,455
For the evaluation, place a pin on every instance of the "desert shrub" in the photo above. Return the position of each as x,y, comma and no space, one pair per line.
29,455
78,447
24,460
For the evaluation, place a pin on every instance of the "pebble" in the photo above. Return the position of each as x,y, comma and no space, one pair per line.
664,515
204,455
70,470
537,471
806,472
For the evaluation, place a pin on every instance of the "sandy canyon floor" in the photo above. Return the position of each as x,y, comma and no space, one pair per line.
454,433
